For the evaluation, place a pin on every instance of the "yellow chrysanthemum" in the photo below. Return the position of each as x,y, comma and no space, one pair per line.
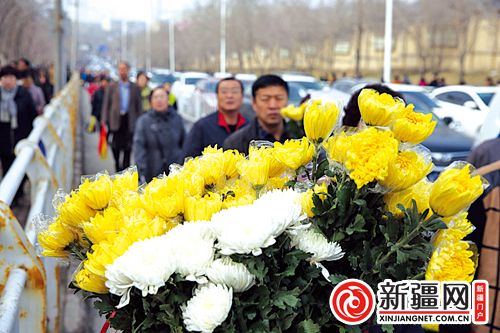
97,193
104,225
74,210
454,190
458,228
276,183
320,120
211,165
256,169
164,196
294,113
337,147
88,281
294,153
371,153
98,259
55,239
413,127
307,198
122,184
144,226
202,208
419,192
378,109
431,327
127,200
231,158
452,261
239,193
407,170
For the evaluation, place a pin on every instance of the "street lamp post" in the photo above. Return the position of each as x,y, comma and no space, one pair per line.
58,61
388,41
223,36
171,43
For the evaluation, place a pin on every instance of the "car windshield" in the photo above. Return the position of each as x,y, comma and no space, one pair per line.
421,101
309,85
210,86
162,78
486,97
192,80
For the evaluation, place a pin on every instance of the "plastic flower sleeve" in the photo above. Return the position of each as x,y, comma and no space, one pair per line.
456,188
411,165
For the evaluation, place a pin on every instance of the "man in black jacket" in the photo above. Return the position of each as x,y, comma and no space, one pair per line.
17,113
269,96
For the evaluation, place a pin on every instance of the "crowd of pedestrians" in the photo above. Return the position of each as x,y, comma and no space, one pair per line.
24,92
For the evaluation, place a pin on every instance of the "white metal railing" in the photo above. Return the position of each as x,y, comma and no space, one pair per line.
29,288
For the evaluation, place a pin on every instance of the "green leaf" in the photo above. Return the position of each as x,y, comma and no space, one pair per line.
309,326
337,278
387,328
357,226
283,299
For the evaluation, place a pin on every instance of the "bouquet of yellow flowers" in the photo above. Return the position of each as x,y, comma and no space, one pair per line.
234,243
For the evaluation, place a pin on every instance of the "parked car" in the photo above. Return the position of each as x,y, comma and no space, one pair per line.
202,101
491,127
474,98
309,83
160,76
346,85
184,88
467,105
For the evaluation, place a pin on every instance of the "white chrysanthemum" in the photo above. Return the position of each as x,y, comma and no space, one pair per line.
249,229
283,209
315,243
234,275
146,265
208,308
192,244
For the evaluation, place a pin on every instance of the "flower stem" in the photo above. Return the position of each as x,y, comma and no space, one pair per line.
317,149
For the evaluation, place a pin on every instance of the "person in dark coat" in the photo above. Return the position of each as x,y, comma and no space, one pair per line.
269,96
121,107
158,137
17,113
216,127
44,83
98,98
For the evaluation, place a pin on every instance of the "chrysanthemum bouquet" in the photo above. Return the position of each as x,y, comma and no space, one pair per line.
233,243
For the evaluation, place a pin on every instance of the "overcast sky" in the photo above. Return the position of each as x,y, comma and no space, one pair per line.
133,10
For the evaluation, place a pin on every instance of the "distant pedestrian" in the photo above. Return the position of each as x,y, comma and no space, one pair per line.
35,91
435,80
17,113
406,79
98,97
397,80
142,80
23,65
158,137
489,81
121,107
269,96
216,127
45,85
422,82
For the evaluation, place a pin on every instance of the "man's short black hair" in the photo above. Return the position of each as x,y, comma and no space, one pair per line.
352,115
8,70
231,78
269,80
